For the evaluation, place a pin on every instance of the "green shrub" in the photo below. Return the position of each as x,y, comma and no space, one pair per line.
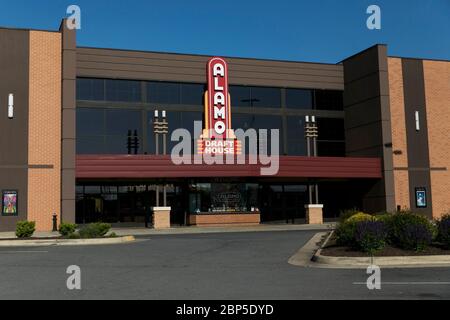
25,229
444,231
410,231
345,232
370,236
95,230
74,235
345,214
66,229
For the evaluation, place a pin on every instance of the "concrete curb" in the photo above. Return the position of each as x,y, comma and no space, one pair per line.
302,257
230,229
385,262
66,242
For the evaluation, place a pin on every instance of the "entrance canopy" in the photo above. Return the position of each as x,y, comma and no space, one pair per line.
143,166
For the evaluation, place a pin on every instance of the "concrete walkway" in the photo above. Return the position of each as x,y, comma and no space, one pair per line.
192,230
197,230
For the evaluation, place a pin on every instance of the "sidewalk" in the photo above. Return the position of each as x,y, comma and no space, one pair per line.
193,230
237,229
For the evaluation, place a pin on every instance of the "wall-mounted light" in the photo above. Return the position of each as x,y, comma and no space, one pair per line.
417,117
11,106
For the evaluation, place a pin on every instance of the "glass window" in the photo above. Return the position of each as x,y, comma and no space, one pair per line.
240,96
90,121
331,129
296,142
331,148
329,100
163,92
299,99
266,97
123,90
90,145
90,89
257,122
176,120
119,145
119,122
192,94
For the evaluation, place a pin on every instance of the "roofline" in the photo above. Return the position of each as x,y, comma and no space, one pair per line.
365,50
28,29
205,55
423,59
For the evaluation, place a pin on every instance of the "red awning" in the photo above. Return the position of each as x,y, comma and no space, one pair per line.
143,166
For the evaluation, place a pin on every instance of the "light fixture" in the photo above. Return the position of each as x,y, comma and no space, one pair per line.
11,106
417,117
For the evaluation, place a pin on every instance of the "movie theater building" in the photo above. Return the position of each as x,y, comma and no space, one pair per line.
80,139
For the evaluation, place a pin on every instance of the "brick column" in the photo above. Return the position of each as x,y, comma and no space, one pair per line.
314,213
161,217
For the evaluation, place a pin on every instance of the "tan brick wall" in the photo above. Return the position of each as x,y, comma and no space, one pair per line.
397,103
225,219
161,219
437,90
314,215
44,148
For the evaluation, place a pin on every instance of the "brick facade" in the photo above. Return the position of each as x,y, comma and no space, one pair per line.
44,135
218,220
399,144
437,90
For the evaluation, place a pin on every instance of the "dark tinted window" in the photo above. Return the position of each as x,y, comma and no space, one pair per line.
240,96
90,145
90,89
105,131
331,129
123,90
90,121
331,149
266,97
299,99
176,120
192,94
163,92
329,100
296,142
118,122
257,122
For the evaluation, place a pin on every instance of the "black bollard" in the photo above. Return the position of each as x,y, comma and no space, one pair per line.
55,223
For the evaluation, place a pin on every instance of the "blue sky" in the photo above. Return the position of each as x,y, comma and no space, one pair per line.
319,30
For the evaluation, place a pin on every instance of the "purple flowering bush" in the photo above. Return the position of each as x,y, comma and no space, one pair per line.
411,231
370,236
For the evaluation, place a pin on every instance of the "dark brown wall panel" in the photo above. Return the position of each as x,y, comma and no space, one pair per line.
367,120
14,65
108,63
417,141
68,143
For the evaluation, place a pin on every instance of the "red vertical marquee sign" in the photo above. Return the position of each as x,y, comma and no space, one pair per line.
218,137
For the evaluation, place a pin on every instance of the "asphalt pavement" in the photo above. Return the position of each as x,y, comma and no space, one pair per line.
250,265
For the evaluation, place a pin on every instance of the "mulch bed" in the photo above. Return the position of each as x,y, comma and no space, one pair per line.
333,250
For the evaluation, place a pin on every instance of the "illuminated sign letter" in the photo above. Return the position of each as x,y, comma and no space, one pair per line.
217,131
